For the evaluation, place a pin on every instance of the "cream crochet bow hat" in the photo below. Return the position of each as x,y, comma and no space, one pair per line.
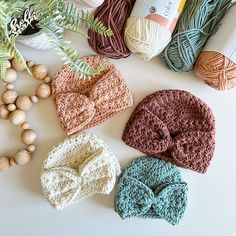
78,168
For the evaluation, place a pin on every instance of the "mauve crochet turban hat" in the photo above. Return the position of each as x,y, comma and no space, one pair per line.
82,104
175,126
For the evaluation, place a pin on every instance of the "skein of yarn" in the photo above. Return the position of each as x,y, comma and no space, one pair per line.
216,65
113,14
151,25
199,20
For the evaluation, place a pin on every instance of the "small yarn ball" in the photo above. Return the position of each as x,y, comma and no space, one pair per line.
4,163
4,112
11,107
9,96
39,71
10,76
17,117
114,15
198,22
17,65
28,136
22,157
216,70
23,103
43,91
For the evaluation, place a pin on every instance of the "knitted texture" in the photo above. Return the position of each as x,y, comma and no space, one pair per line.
78,168
175,126
82,104
151,188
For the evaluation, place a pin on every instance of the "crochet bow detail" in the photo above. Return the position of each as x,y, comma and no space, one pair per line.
65,186
167,201
156,140
80,111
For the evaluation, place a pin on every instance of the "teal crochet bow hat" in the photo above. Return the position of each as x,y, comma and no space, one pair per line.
151,188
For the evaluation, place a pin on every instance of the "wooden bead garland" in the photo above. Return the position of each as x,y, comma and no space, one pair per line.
14,107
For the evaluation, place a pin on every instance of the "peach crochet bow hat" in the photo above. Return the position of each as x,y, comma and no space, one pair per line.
82,104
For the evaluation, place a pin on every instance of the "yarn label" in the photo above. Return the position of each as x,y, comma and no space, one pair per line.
163,12
224,40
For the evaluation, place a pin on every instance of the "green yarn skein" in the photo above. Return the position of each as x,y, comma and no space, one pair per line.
151,188
200,19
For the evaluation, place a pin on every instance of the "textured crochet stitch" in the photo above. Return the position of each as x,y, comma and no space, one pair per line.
78,168
175,126
151,188
82,104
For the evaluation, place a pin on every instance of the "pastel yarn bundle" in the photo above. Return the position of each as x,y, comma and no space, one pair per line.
82,104
216,65
150,27
113,14
175,126
151,188
199,20
78,168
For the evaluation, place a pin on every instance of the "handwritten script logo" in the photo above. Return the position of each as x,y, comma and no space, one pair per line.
18,26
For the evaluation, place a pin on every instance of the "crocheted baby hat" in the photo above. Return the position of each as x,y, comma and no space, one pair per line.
82,104
78,168
175,126
151,188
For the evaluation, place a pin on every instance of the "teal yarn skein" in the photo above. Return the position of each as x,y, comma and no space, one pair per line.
200,19
151,188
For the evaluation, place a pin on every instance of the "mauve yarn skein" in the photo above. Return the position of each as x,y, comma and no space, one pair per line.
199,20
113,14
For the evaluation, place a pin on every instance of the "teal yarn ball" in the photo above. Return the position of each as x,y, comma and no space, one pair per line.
151,188
200,19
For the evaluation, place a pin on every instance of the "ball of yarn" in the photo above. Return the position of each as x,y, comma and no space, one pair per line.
145,37
114,15
216,70
198,21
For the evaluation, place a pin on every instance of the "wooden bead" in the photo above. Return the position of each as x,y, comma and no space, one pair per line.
39,71
43,91
17,66
28,136
17,117
10,86
4,113
12,162
11,107
10,76
22,157
9,96
4,163
25,125
23,103
31,148
34,99
47,80
30,64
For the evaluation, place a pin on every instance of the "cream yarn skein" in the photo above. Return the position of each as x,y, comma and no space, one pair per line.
144,36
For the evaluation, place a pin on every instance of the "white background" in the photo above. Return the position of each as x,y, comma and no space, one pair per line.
211,210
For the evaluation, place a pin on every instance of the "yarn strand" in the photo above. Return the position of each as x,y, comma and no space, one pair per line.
113,14
200,19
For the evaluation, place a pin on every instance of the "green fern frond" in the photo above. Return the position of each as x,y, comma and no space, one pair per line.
95,24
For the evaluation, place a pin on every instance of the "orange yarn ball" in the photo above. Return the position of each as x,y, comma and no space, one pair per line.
216,70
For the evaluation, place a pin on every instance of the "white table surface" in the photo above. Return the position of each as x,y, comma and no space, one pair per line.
211,207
